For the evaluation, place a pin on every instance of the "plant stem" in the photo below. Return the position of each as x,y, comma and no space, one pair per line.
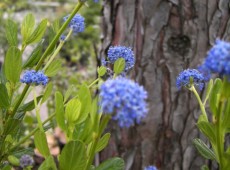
200,102
54,41
31,133
219,136
94,82
37,110
57,50
96,138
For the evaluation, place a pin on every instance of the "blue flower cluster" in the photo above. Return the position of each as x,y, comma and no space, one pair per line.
77,23
33,77
218,58
116,52
150,168
125,98
189,76
26,160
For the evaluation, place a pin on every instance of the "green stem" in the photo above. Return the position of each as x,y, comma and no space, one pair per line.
94,82
37,110
96,137
56,38
192,88
57,50
219,136
31,133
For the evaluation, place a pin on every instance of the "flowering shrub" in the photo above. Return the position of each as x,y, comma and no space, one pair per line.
216,125
81,117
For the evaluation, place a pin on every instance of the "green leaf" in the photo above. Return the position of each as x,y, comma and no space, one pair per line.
48,164
86,102
226,115
208,129
7,167
29,106
41,143
204,150
4,98
12,32
13,65
47,92
53,68
112,164
60,117
69,92
72,110
204,167
208,90
34,56
13,160
84,131
38,33
215,96
28,24
56,25
101,71
94,115
73,156
103,142
119,65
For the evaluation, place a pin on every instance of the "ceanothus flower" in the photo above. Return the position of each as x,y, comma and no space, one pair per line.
150,168
205,72
77,23
190,77
218,58
33,77
116,52
26,160
124,99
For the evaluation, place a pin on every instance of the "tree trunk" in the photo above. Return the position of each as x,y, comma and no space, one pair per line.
167,37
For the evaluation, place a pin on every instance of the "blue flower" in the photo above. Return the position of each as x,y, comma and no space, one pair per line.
150,168
190,77
26,160
62,38
218,58
77,23
124,99
122,52
33,77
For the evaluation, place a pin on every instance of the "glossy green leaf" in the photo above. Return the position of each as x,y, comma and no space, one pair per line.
112,164
28,24
34,56
215,96
119,65
38,33
53,68
4,98
59,112
13,160
103,142
101,71
73,156
41,143
86,101
13,65
204,150
208,130
48,164
94,115
72,110
29,106
47,92
7,167
12,32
